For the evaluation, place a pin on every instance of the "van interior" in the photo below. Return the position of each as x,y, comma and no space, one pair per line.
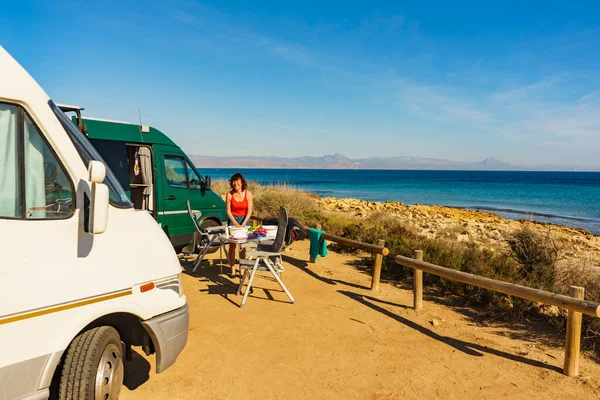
141,179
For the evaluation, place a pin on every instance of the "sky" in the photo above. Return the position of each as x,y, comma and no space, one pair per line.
462,81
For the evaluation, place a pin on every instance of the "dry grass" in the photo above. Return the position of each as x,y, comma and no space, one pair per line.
268,199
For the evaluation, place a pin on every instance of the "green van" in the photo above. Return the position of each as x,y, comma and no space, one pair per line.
156,174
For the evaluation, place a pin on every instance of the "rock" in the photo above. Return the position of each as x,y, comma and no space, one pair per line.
434,322
552,311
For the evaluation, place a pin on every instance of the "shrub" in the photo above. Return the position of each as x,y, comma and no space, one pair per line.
536,257
268,199
298,204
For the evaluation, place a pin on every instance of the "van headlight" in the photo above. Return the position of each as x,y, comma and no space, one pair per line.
173,283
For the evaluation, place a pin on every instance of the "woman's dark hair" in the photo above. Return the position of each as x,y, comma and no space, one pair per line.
235,177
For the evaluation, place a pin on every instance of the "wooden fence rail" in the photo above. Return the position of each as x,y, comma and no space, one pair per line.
574,303
355,244
379,249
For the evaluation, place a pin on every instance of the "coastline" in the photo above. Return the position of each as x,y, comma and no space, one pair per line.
561,198
576,247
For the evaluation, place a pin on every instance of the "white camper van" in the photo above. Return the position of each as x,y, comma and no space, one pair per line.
83,275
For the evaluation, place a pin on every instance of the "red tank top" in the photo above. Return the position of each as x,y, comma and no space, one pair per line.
239,208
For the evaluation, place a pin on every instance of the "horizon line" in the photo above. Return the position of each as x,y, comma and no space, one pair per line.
409,169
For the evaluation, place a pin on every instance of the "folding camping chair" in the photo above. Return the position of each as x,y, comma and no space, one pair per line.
208,236
268,258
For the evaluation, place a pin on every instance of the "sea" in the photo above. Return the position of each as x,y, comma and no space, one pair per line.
565,198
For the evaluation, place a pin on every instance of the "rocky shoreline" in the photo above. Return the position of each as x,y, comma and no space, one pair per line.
576,247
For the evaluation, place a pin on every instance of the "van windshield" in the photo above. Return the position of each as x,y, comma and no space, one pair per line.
87,152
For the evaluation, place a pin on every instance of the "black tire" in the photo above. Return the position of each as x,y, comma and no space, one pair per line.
209,223
82,365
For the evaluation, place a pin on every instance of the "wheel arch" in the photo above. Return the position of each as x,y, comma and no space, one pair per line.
130,329
211,217
192,246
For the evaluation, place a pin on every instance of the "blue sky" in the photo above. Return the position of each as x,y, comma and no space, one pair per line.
463,81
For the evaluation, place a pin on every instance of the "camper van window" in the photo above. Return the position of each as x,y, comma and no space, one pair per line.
193,178
176,171
33,183
9,173
48,190
87,152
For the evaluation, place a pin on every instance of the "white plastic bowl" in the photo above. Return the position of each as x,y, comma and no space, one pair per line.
238,233
271,231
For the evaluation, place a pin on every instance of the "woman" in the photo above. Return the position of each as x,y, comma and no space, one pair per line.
239,210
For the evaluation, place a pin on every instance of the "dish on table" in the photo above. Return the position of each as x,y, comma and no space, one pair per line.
238,233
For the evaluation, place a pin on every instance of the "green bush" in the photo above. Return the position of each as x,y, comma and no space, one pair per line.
537,259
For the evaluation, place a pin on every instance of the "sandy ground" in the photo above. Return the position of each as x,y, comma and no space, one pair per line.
341,341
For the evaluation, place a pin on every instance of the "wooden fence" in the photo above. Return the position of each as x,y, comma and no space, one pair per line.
379,250
574,303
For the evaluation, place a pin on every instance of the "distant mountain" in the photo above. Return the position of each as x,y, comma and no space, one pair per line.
493,163
339,161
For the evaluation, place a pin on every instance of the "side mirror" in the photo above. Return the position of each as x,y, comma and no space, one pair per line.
96,172
98,208
208,182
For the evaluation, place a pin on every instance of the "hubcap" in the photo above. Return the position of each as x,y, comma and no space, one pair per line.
109,376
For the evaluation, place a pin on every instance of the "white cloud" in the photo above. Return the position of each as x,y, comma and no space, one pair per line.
438,104
527,90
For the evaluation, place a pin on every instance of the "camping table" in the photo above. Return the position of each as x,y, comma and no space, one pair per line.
229,239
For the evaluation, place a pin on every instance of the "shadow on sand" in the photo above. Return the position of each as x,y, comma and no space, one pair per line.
531,329
225,286
137,371
471,349
304,267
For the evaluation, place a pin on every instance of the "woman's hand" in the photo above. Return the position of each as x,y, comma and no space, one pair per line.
237,225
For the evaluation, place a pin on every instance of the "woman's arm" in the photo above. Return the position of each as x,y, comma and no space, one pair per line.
250,207
228,208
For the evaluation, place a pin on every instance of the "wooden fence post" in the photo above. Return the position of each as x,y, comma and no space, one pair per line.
377,267
418,283
317,227
573,341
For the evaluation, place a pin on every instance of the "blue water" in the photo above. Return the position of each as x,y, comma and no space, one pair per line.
566,198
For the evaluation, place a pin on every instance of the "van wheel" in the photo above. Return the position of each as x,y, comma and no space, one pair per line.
93,368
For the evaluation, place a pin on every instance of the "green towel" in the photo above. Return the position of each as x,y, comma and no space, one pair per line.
318,245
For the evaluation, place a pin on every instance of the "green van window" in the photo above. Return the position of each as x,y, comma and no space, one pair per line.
193,179
176,171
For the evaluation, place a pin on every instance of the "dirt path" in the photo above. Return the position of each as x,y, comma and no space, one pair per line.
342,341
